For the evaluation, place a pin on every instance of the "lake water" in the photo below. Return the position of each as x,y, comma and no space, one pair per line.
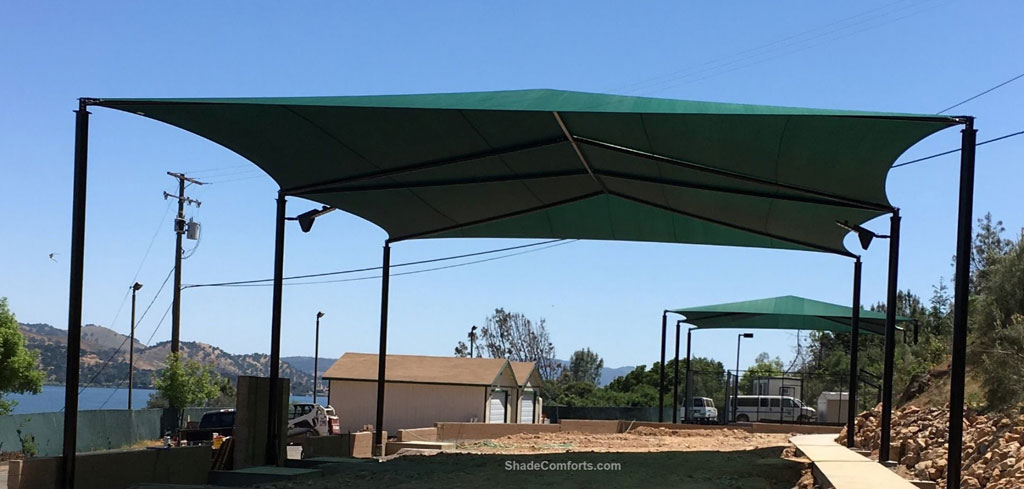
52,399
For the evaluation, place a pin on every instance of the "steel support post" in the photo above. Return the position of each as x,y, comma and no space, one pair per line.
274,407
961,294
661,382
675,380
77,276
382,355
851,408
688,395
890,337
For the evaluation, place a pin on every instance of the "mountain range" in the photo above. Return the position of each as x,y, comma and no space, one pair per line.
105,359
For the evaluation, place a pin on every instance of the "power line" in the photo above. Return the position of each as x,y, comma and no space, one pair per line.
814,37
1007,82
944,153
125,341
369,269
413,272
121,383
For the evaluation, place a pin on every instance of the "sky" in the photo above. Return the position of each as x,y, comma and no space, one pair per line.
904,56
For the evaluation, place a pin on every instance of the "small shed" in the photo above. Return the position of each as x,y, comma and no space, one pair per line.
423,390
530,403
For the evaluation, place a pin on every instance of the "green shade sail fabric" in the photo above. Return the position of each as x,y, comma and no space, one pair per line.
787,312
558,164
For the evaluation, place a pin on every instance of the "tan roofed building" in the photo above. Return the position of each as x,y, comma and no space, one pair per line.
422,390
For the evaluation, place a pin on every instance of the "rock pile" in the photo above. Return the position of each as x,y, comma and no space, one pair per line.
992,454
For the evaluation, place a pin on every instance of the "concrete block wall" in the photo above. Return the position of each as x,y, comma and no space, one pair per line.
487,431
418,434
115,469
356,445
251,421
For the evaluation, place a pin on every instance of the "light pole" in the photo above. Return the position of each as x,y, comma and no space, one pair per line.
736,385
675,378
131,346
472,340
687,399
316,356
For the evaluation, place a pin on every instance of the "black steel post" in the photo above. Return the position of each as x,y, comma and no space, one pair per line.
77,276
131,346
316,358
890,336
736,380
661,383
687,397
274,408
961,293
675,380
382,355
179,230
851,408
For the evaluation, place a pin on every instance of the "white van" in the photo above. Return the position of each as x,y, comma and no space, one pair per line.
702,411
772,408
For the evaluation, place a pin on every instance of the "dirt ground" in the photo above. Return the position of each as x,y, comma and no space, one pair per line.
700,459
641,439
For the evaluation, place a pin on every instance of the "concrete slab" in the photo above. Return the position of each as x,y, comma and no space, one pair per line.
261,475
394,446
835,466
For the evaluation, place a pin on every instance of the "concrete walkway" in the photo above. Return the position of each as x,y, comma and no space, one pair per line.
836,466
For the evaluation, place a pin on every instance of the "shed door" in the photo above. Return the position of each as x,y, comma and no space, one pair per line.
497,407
526,408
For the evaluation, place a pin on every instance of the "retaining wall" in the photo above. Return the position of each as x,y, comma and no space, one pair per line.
557,413
487,431
115,469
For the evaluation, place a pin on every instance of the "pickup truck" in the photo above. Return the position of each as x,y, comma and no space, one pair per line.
221,422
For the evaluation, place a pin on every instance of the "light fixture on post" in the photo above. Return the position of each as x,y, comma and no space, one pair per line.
316,357
131,346
306,218
863,234
472,340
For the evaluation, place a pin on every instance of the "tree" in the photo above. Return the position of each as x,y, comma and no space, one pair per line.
585,366
463,350
187,383
513,336
19,371
988,246
764,366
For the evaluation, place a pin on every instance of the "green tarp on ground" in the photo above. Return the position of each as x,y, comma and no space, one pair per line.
558,164
787,312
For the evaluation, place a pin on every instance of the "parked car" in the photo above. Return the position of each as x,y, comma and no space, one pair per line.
702,411
307,419
772,408
221,422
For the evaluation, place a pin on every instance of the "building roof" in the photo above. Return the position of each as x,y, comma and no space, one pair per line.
420,369
522,371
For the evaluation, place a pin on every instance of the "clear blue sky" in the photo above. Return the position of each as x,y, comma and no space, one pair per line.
908,56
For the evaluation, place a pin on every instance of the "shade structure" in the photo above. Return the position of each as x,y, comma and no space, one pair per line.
558,164
786,312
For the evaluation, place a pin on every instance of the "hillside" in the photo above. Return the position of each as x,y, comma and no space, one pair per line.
105,358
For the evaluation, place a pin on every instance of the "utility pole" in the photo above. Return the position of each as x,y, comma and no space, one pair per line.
179,231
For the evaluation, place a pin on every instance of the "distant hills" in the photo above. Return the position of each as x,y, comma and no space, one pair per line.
105,358
607,374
